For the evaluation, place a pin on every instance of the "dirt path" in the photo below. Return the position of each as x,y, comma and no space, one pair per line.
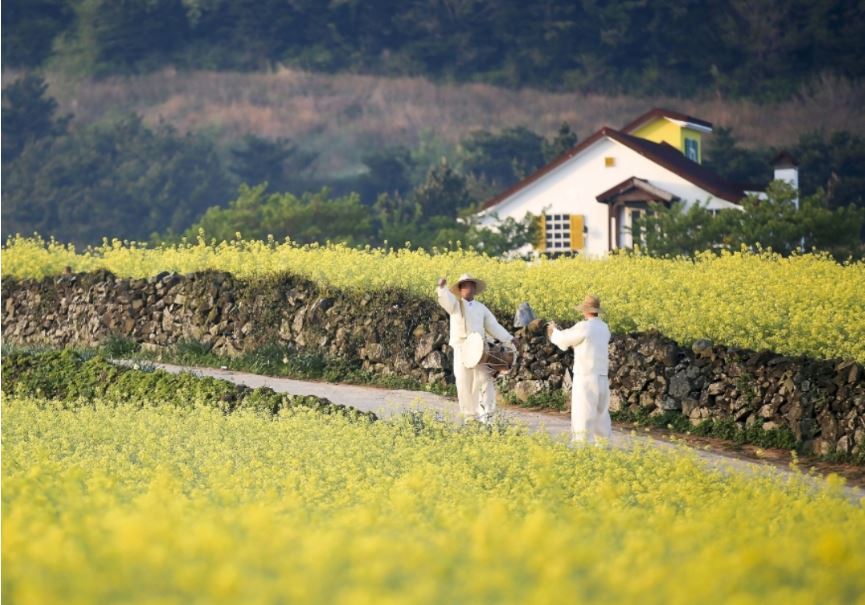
391,402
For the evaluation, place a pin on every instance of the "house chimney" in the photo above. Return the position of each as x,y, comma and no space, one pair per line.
787,170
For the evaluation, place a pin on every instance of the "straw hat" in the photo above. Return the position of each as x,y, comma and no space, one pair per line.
479,284
590,304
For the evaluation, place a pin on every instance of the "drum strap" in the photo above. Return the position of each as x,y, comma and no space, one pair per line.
463,315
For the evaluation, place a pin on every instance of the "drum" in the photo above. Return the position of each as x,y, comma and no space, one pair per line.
497,358
473,349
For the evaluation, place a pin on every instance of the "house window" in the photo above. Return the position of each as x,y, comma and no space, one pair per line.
557,232
692,149
714,211
609,161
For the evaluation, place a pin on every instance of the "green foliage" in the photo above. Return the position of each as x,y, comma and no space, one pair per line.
389,171
552,399
771,222
444,193
123,37
508,236
278,162
727,157
75,378
119,178
728,47
835,164
505,157
120,346
776,223
678,230
780,438
309,218
564,140
28,116
426,218
30,28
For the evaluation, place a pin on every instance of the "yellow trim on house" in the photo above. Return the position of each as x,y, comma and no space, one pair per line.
578,242
542,238
664,130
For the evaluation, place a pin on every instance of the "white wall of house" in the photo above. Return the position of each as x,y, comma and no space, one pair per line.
572,188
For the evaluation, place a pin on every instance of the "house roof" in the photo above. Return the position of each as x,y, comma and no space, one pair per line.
635,183
662,154
660,112
672,159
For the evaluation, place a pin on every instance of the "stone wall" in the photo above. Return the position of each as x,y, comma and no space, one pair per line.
821,402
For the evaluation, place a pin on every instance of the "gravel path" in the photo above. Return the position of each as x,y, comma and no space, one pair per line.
390,402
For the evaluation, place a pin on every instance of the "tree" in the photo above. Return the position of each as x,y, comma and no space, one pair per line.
429,217
417,215
127,36
312,217
770,221
679,230
508,236
116,179
279,162
766,49
29,30
388,171
835,164
444,193
28,115
564,140
724,155
502,158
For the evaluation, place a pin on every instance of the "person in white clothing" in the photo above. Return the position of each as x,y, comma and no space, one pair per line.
590,396
476,390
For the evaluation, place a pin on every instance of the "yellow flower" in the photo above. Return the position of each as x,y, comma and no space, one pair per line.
141,504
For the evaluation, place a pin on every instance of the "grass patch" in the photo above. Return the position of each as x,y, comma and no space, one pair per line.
554,400
725,429
77,378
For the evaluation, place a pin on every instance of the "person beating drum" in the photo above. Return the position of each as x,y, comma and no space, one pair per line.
476,390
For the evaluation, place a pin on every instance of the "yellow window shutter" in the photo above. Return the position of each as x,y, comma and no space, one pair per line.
577,237
542,237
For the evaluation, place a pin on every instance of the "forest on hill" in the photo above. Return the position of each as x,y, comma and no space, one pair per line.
763,49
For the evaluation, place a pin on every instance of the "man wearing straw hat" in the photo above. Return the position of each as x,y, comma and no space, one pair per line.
476,389
590,396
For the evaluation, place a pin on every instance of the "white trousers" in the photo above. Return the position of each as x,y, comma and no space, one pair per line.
476,390
590,408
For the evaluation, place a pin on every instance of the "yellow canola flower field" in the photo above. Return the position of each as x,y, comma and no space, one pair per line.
806,304
113,504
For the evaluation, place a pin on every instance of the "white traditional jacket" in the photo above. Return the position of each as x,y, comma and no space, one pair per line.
477,318
591,342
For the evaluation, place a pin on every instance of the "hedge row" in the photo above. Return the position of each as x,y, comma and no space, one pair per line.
76,378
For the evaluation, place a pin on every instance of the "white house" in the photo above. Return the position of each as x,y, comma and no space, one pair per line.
588,197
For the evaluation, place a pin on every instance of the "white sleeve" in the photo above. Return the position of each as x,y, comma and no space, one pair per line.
494,328
447,300
570,337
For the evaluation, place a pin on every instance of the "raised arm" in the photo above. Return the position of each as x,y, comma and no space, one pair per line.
446,298
494,328
570,337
